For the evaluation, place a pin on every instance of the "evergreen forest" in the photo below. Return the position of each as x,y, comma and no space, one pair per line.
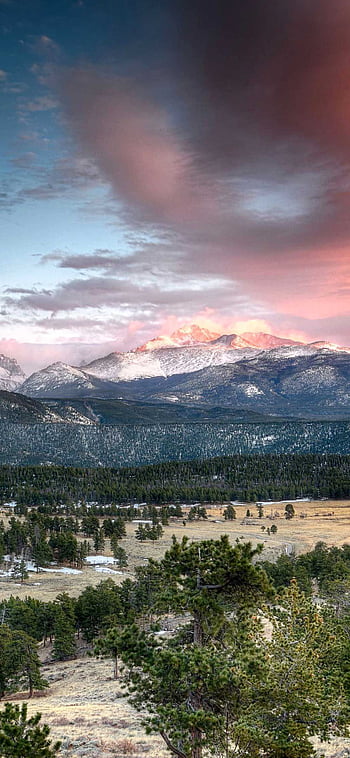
246,478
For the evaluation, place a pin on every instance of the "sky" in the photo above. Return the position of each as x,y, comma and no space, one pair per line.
171,162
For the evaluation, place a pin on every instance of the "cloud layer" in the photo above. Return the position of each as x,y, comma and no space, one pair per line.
215,138
253,173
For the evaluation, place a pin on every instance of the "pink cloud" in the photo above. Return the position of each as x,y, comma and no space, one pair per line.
134,145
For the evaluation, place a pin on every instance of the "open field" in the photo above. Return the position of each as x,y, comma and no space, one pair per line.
326,520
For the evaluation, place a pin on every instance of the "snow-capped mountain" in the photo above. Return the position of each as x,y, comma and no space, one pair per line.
185,336
254,371
107,373
48,381
298,381
194,335
267,341
164,361
11,374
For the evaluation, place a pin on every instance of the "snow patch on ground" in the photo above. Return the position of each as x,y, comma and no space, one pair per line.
277,502
104,570
64,570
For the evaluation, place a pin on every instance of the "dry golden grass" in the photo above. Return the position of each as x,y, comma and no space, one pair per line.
326,520
85,707
87,710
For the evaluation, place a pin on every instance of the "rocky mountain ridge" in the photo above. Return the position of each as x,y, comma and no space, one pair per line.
19,409
254,372
11,374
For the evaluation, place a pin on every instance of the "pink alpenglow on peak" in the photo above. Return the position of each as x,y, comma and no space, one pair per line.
267,341
185,336
323,345
194,335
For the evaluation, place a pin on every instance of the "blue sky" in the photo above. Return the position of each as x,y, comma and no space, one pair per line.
164,163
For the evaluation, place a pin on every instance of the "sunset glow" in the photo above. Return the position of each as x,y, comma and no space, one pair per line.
182,164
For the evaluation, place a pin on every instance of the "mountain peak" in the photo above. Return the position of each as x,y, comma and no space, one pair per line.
267,341
193,334
189,335
11,374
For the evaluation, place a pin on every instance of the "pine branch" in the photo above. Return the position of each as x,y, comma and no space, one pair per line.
172,747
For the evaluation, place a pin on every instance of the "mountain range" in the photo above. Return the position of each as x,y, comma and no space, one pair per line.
11,374
194,368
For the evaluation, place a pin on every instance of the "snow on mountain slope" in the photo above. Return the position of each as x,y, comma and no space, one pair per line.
114,374
267,341
11,374
289,381
19,409
125,366
190,359
321,345
55,378
119,367
234,341
288,352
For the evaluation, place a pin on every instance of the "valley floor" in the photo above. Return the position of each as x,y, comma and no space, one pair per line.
314,521
85,707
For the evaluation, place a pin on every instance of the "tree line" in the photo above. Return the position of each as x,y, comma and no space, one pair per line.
239,477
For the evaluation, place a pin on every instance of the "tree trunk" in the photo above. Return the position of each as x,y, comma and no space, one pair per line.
196,751
116,671
197,631
196,700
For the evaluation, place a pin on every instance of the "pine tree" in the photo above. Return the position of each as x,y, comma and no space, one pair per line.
109,647
23,737
5,664
229,513
140,533
19,662
64,645
19,571
302,694
119,554
41,554
25,662
186,684
289,511
218,687
99,541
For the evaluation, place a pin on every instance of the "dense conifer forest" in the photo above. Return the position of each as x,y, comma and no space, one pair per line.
241,477
145,444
